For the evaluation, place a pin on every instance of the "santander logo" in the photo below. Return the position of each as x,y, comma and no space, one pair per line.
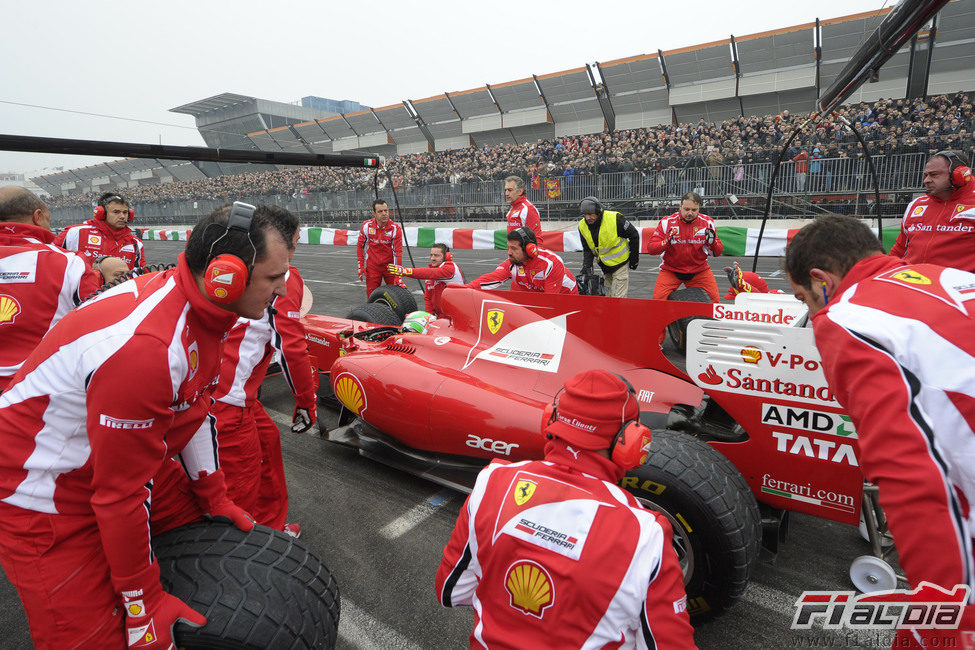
710,377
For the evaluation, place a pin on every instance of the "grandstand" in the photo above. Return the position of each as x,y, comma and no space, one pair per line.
761,75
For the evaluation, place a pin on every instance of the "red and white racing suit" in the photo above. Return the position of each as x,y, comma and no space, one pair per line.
39,284
248,439
435,279
95,237
686,260
939,232
117,386
545,272
376,249
552,554
898,352
524,214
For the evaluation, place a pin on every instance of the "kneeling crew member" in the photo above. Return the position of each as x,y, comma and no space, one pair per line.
441,272
529,268
604,235
552,553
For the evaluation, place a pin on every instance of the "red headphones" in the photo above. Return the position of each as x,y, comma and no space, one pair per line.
527,240
100,212
226,276
629,446
959,172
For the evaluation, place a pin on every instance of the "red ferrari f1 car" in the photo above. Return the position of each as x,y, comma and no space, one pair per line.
745,433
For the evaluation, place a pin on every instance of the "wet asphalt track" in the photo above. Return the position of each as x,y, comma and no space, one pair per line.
382,531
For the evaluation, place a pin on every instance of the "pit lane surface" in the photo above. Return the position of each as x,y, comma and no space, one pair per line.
381,531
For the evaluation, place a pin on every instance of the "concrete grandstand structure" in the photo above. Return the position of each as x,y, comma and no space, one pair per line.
756,74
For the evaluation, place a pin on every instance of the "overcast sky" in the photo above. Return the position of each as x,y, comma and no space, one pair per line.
137,60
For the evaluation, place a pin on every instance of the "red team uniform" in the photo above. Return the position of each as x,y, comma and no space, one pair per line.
376,249
544,272
531,532
892,336
95,237
436,278
80,447
686,260
248,439
39,284
939,232
523,213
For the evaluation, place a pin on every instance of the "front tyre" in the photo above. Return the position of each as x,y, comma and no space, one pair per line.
714,515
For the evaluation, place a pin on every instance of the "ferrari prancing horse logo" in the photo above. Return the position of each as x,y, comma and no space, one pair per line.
524,491
494,319
912,277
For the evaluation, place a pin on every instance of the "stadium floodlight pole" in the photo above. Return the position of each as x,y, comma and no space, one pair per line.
37,144
897,28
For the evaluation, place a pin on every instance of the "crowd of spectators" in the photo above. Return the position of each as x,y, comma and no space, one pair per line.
890,127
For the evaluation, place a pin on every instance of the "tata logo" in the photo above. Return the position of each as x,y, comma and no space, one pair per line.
494,446
829,450
494,319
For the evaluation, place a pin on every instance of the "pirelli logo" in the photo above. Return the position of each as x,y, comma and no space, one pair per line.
118,423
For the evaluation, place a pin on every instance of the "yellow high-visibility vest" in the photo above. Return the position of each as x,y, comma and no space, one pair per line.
613,250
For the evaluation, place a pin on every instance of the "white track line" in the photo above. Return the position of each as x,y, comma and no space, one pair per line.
360,630
415,515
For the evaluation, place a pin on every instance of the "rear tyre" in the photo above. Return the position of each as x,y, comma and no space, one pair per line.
378,313
678,329
261,589
399,299
715,518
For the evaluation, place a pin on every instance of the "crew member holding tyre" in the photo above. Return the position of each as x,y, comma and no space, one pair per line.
898,353
441,272
552,553
529,267
685,239
39,282
106,233
116,387
612,240
380,244
939,226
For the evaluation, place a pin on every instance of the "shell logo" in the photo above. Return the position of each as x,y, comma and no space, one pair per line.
751,354
530,587
135,610
9,308
351,393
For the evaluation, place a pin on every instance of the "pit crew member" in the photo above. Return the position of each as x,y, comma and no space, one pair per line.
529,267
39,282
106,233
380,244
745,282
685,239
441,272
552,553
248,439
897,351
76,459
523,213
939,226
612,240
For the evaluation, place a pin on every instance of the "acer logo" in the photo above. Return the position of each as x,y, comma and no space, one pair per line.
493,446
118,423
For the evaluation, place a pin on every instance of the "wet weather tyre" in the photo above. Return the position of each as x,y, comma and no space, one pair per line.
378,313
714,515
678,329
261,589
399,299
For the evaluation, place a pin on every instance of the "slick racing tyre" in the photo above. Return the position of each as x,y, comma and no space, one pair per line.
715,518
258,590
399,299
378,313
678,329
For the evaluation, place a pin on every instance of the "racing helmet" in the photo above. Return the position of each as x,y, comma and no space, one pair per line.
417,322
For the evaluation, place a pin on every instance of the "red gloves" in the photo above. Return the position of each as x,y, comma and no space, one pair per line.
150,612
362,271
211,493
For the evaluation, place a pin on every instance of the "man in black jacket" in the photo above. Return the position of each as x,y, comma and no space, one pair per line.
604,235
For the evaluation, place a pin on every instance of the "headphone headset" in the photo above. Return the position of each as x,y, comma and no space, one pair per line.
628,448
959,173
226,276
595,201
101,209
527,240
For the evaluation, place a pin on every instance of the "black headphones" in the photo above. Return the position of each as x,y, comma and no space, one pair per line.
959,173
527,239
595,202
